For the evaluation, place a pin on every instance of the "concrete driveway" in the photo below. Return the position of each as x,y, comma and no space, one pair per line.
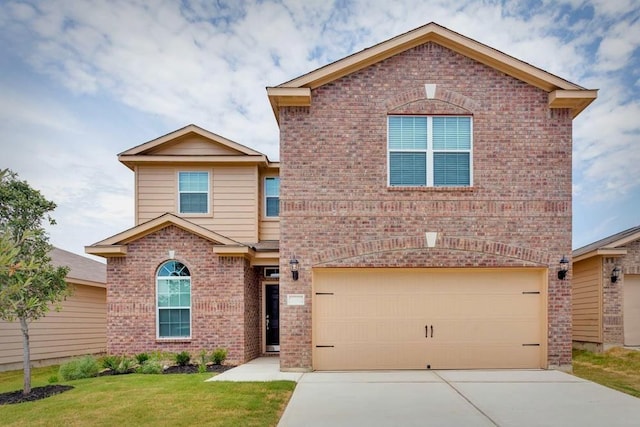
456,398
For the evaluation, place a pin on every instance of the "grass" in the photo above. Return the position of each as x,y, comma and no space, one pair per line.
161,400
617,368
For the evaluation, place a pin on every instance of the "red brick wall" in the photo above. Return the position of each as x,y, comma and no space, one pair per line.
335,200
224,294
613,294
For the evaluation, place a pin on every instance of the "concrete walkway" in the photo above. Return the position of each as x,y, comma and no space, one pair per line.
260,369
456,398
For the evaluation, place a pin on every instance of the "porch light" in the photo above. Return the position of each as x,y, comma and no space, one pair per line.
564,267
293,263
615,273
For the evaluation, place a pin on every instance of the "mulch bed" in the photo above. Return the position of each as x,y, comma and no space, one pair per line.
193,369
38,393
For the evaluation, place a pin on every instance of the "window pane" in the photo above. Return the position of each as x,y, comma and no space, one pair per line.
193,202
273,206
194,181
164,316
408,169
165,330
163,301
451,169
451,133
407,133
272,186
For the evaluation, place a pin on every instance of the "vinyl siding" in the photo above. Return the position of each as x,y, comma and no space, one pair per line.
234,199
193,145
587,300
79,328
270,229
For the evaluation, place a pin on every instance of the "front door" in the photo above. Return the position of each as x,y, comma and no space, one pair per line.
272,317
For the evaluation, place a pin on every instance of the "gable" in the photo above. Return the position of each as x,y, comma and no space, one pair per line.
193,144
562,93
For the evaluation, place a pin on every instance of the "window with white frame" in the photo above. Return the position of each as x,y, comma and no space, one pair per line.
272,196
173,286
430,151
193,189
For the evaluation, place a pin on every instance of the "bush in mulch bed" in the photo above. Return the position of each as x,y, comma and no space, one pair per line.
37,393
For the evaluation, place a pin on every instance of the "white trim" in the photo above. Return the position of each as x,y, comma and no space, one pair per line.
264,196
173,338
178,192
430,90
263,314
429,151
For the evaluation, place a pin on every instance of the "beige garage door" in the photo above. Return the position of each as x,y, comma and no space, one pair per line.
632,309
428,318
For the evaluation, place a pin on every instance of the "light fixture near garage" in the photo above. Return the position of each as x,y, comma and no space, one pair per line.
564,267
293,263
615,273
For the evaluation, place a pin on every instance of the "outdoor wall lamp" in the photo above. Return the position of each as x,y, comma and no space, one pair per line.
564,267
293,263
615,273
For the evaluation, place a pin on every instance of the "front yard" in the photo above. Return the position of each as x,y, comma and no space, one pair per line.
136,399
617,368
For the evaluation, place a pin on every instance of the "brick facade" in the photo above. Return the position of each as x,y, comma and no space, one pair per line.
613,294
337,210
225,298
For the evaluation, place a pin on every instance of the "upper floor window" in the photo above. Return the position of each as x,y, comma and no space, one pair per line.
272,196
193,188
431,151
173,300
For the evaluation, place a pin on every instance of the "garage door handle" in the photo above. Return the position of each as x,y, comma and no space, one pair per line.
431,331
426,331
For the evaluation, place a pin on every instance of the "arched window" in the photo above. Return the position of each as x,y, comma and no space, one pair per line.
173,300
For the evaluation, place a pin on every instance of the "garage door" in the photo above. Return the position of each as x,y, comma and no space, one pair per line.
428,318
632,309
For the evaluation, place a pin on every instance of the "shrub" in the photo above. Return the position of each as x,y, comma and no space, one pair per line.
53,379
111,362
183,358
203,357
150,366
124,365
85,367
219,356
142,357
202,368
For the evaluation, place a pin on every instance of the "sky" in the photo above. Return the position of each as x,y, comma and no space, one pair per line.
83,80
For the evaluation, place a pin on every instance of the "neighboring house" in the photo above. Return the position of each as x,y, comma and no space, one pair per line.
79,328
416,220
606,292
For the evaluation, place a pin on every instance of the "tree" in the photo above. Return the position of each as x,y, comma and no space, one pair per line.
29,284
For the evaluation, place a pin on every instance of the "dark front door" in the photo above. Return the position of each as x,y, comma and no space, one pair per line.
272,317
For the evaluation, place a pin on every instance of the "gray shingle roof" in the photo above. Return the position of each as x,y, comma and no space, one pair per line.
81,268
602,243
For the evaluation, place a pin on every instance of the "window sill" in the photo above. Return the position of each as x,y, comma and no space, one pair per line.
176,340
271,218
433,189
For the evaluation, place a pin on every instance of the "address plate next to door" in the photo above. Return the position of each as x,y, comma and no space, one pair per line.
295,299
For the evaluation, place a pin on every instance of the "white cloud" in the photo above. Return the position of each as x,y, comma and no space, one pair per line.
209,62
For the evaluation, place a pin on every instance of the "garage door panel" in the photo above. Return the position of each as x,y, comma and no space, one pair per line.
376,318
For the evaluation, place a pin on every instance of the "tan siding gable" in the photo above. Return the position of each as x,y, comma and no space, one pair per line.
79,328
587,300
194,145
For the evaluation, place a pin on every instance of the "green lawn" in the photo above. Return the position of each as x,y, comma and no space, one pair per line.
617,368
136,399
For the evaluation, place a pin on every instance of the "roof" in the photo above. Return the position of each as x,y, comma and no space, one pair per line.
608,245
82,269
562,93
116,245
146,152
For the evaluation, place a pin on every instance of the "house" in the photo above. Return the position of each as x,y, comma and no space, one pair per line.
416,220
79,328
606,292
